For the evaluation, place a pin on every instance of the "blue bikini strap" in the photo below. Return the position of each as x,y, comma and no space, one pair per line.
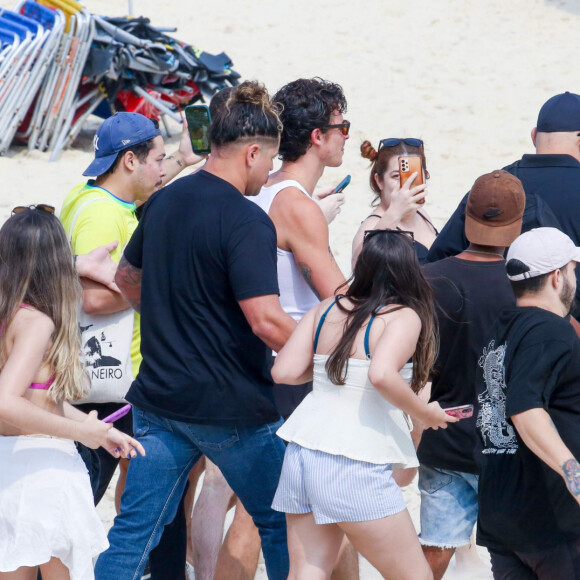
367,333
320,323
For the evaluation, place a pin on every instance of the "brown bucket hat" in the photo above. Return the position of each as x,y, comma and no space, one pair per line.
495,206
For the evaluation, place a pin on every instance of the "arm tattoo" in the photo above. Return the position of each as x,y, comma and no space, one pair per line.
178,161
306,272
571,469
128,279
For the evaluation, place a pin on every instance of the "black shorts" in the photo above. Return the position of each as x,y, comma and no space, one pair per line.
561,562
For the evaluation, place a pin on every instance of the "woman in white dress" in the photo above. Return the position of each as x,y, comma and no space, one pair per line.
346,437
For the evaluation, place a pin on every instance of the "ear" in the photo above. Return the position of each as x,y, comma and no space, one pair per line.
316,136
129,161
378,181
557,277
534,135
427,176
252,152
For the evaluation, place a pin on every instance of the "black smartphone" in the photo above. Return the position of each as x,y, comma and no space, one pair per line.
198,122
342,185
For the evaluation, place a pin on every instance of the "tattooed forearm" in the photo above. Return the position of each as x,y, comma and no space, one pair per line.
306,272
128,278
571,469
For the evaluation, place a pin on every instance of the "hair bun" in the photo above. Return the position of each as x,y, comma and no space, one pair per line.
368,151
251,92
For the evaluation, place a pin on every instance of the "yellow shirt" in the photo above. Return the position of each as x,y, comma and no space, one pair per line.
101,222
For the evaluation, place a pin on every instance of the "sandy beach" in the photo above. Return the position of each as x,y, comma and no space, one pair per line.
467,77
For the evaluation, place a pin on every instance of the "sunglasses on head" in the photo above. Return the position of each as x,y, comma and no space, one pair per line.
40,206
372,233
344,127
394,141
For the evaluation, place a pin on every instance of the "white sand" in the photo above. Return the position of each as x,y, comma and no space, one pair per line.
466,76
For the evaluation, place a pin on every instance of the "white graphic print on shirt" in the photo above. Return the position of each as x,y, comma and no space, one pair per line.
498,435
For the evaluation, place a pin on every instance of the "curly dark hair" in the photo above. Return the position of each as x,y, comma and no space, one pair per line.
307,105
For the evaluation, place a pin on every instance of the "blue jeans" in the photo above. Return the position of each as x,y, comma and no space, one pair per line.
448,506
250,459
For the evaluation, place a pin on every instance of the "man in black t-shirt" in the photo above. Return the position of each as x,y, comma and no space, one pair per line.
550,176
201,270
528,386
470,290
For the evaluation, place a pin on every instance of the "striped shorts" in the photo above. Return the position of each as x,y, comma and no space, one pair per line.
335,488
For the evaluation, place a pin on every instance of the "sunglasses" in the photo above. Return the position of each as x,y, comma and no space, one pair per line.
40,206
344,127
393,142
371,233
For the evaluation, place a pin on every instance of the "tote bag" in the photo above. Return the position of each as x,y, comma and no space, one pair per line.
106,347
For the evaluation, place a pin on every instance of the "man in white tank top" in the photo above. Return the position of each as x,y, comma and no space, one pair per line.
313,138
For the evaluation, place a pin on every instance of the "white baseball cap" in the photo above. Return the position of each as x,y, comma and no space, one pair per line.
542,250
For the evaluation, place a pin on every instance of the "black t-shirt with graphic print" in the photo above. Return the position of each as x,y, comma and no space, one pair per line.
532,361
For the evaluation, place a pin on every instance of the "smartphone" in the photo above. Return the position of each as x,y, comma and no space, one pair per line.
409,164
198,121
117,414
461,412
342,185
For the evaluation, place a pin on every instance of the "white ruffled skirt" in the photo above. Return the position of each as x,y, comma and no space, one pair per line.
46,506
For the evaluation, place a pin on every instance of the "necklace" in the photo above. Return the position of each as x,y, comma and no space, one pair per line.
290,173
485,253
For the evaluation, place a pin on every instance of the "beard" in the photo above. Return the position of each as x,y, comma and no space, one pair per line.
567,294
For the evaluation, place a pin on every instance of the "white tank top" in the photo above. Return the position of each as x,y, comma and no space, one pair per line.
296,296
353,419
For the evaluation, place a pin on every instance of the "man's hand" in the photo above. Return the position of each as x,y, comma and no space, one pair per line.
99,266
185,151
330,203
182,158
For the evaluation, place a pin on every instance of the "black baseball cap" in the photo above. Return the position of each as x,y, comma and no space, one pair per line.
561,113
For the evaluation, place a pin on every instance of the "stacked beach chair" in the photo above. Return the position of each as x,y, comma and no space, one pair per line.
59,64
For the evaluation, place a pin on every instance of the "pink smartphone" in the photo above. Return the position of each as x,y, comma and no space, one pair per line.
117,414
461,412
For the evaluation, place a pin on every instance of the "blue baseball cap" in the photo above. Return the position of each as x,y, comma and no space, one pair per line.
560,114
115,134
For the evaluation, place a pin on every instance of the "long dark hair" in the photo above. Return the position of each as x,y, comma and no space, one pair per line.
36,269
387,272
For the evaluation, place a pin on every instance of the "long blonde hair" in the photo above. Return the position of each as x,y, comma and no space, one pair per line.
36,269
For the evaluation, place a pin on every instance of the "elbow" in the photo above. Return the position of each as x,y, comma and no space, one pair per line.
263,329
376,377
5,406
279,374
91,304
120,281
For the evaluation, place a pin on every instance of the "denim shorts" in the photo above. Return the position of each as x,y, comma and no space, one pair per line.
448,507
336,488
